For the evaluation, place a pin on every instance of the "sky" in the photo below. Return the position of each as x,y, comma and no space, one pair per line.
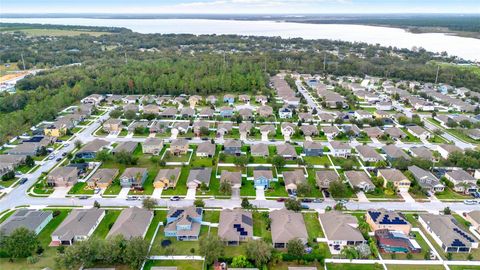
239,6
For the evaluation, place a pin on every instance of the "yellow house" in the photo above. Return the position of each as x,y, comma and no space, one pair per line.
399,180
54,131
167,178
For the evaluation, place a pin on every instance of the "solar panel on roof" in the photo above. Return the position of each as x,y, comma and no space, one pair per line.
177,213
457,243
466,236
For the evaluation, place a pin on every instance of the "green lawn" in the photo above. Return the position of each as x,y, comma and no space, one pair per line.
415,267
464,267
260,222
158,216
81,188
7,214
181,265
211,216
449,194
8,183
176,247
313,226
114,188
107,222
181,187
277,189
248,188
335,266
321,160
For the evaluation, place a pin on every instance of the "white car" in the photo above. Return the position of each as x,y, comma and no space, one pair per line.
470,202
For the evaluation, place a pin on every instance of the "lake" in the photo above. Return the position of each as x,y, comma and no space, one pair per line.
467,48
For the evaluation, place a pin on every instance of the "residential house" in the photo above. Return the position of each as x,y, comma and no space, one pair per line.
244,130
305,117
259,150
212,99
393,152
226,111
330,131
206,149
206,113
285,112
462,181
267,130
447,234
426,180
152,146
419,132
125,147
381,114
132,222
312,148
199,176
262,177
112,125
381,219
383,106
395,133
360,180
187,112
287,225
265,111
184,223
102,178
233,178
133,177
261,99
422,152
340,149
131,108
169,112
368,153
79,225
33,220
287,151
198,126
232,147
287,129
341,230
167,178
179,147
151,109
325,177
224,128
94,99
474,218
373,132
396,177
90,150
326,117
181,127
446,149
245,113
235,226
194,100
309,130
63,177
292,179
230,99
244,98
361,115
473,133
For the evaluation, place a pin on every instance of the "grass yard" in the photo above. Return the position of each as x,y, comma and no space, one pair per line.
315,191
114,188
158,216
277,189
313,226
211,216
81,188
180,264
106,224
321,160
437,139
464,267
8,183
449,194
260,223
248,188
176,247
7,214
335,266
181,187
415,267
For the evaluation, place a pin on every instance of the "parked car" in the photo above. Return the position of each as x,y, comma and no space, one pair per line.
64,154
175,198
304,206
475,194
317,200
58,159
281,199
83,197
470,202
132,198
326,193
307,200
22,181
51,157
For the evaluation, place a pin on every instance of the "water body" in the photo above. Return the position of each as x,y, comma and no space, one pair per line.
467,48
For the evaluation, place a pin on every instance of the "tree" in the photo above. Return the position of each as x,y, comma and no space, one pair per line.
293,204
347,165
295,248
29,161
8,176
278,161
126,158
240,161
350,253
241,261
78,144
212,247
258,251
447,211
225,187
21,243
149,203
130,114
364,250
246,204
96,204
103,155
199,203
337,189
136,252
204,131
303,189
116,113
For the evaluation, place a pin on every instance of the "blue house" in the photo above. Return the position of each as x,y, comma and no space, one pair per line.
233,147
230,99
226,111
133,177
312,149
184,223
262,178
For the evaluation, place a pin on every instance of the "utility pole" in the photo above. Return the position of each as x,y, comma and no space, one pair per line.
265,64
126,60
324,61
436,77
23,61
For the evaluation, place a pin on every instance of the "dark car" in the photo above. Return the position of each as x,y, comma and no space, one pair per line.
307,200
174,198
58,159
327,194
281,199
83,197
22,181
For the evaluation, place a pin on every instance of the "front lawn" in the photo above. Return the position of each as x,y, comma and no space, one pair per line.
321,160
81,188
248,188
313,226
107,222
176,247
449,194
180,264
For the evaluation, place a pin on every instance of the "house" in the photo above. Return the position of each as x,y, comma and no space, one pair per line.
33,220
305,117
244,98
287,129
265,111
226,111
199,126
473,133
381,219
230,99
187,112
381,114
418,132
396,242
309,130
341,230
133,177
259,150
132,222
112,125
25,149
262,177
330,131
267,130
311,148
224,128
130,99
235,226
422,152
462,181
169,112
131,108
193,100
167,178
158,127
206,113
181,127
326,117
138,126
392,152
79,225
446,149
212,99
426,180
244,130
152,146
206,149
447,234
125,147
111,99
285,113
102,178
199,176
287,151
395,133
94,99
474,218
373,132
151,109
399,180
62,177
292,179
325,177
361,115
368,153
261,99
287,225
232,147
179,147
340,149
90,150
360,180
184,223
233,178
384,106
245,113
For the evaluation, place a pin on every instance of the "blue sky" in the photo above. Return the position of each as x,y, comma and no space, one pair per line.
239,6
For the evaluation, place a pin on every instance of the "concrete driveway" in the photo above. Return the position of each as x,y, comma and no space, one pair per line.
123,193
191,192
60,192
260,194
157,193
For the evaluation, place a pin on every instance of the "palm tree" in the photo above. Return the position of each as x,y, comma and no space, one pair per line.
350,253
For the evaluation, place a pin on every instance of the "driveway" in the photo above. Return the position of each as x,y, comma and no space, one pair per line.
362,197
191,192
157,193
60,192
235,193
123,193
260,194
